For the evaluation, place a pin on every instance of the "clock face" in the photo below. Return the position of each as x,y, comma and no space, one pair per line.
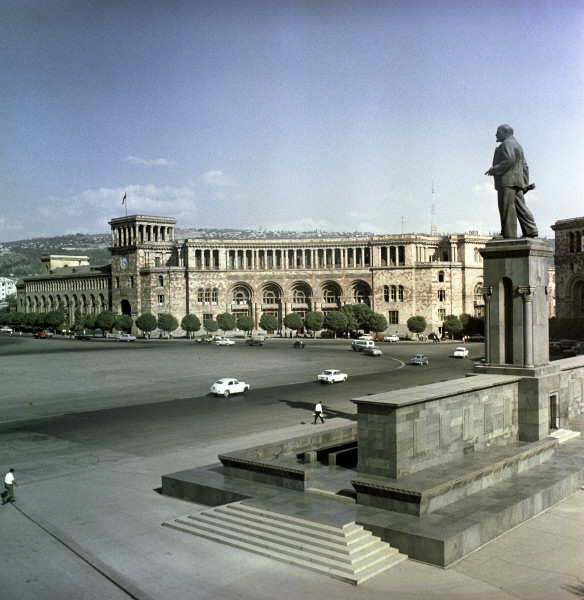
124,262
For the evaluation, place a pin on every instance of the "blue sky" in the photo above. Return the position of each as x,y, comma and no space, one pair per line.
294,115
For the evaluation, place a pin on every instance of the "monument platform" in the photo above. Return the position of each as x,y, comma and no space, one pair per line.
441,536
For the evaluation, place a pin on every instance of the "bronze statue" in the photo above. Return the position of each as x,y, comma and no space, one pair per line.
511,175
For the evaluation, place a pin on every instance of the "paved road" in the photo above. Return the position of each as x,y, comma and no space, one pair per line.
52,377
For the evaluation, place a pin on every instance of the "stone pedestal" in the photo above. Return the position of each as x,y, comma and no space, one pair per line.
516,327
516,303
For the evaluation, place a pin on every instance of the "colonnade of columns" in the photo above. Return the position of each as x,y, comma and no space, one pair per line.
137,233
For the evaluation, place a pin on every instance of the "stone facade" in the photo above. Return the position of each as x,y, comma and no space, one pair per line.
569,263
398,276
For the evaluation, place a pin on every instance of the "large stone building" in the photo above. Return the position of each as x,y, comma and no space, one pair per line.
569,262
398,276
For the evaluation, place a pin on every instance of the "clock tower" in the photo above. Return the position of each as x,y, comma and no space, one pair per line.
138,243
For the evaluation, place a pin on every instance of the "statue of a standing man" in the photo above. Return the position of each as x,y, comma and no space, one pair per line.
511,175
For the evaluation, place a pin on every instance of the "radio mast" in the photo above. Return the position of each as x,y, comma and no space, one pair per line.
433,217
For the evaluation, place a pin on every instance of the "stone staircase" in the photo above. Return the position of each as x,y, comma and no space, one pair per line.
563,435
348,552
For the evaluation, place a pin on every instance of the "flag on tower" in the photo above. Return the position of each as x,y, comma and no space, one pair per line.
124,199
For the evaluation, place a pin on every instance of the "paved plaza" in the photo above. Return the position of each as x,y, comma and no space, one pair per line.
87,523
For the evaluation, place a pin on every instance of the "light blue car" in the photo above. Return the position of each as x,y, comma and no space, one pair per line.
419,359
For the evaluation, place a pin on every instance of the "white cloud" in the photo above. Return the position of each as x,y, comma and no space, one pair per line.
217,179
150,162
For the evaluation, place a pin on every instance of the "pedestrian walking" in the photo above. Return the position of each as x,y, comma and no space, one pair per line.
318,413
9,484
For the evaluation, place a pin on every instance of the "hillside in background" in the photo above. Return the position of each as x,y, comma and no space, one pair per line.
23,257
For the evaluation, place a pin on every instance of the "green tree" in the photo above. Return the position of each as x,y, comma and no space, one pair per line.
18,320
106,320
77,320
11,302
190,323
124,322
314,320
376,322
416,324
245,323
352,322
226,321
337,321
268,322
89,321
146,322
361,312
293,321
452,324
167,322
210,325
465,320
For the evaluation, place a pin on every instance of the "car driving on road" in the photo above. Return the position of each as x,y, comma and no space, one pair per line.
331,376
391,338
461,352
226,387
373,351
225,342
126,337
419,359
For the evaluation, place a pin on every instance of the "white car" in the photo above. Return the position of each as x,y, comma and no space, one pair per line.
391,338
331,376
49,333
126,337
366,337
6,330
461,352
373,351
226,387
225,342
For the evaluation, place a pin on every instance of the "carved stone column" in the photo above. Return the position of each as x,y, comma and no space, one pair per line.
487,293
527,293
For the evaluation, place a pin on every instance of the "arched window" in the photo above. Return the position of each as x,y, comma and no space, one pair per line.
215,296
160,280
208,296
441,276
270,297
386,293
393,293
240,295
400,293
200,295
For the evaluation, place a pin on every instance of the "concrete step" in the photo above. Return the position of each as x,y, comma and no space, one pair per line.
563,435
299,534
345,552
303,549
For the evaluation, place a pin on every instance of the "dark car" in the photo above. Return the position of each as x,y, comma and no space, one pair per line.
475,338
40,335
259,341
82,336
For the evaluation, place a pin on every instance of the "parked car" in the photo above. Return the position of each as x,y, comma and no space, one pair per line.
479,363
419,359
332,376
216,337
475,338
391,338
225,342
373,351
5,330
461,352
40,335
126,337
48,333
255,341
366,337
82,336
204,339
379,338
226,387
